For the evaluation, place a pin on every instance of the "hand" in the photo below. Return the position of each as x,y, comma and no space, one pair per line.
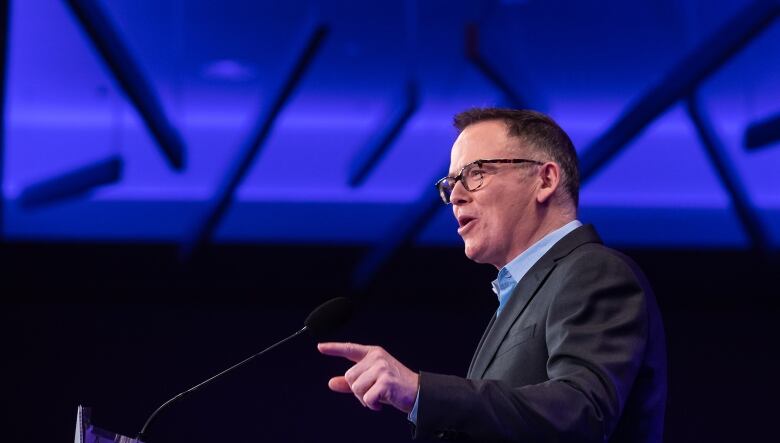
376,378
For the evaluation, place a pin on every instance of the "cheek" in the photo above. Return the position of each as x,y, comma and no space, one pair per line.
485,232
497,227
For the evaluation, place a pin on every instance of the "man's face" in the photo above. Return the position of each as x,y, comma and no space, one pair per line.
495,221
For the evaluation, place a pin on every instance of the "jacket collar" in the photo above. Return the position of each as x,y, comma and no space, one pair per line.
524,292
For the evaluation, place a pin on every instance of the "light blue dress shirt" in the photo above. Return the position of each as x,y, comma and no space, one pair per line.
513,272
516,269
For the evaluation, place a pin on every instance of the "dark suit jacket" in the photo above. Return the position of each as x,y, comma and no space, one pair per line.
577,354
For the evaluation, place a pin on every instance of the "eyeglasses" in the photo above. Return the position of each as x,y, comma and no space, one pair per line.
472,176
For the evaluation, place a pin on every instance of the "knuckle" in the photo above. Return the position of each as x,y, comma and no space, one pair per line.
371,399
375,350
382,383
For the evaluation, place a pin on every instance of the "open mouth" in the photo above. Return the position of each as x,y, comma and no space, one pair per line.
464,222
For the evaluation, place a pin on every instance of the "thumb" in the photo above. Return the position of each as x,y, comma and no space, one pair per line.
339,384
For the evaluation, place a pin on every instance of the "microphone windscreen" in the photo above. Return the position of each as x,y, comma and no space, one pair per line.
329,316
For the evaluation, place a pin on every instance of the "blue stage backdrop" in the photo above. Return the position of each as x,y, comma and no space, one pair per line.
327,122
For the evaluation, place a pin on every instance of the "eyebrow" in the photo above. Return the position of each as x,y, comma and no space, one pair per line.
460,168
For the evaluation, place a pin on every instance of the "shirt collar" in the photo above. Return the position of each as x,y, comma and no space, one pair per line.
516,269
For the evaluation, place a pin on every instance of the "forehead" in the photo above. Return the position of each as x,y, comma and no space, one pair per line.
483,140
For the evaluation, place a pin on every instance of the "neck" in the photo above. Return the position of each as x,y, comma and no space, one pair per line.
548,226
547,222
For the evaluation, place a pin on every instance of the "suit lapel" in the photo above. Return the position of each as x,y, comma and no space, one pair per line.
517,303
522,295
479,346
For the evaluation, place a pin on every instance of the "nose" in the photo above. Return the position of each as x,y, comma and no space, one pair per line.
459,194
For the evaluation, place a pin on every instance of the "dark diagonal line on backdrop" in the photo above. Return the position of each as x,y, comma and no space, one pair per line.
369,157
247,156
72,184
728,175
679,82
763,133
130,78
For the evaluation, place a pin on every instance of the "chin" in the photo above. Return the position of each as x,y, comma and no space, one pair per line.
479,254
473,253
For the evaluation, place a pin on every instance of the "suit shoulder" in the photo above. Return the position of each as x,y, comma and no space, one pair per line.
597,254
595,261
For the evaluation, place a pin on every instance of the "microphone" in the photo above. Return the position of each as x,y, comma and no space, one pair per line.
323,320
328,316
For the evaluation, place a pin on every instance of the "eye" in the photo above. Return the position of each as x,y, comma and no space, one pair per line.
475,173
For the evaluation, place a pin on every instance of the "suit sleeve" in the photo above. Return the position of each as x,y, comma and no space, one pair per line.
595,332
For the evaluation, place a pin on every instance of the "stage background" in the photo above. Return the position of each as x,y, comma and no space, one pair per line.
182,181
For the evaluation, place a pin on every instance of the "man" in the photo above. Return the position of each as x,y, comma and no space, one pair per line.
576,349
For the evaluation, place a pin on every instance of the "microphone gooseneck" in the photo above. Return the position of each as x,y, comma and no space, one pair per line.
196,387
323,320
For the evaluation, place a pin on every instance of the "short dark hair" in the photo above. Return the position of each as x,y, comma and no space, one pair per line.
537,130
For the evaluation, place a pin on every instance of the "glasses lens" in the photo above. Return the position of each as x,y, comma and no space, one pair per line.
445,189
472,177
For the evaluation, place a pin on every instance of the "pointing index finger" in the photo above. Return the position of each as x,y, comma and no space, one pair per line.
350,351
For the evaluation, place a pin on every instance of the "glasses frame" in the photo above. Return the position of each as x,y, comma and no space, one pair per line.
445,197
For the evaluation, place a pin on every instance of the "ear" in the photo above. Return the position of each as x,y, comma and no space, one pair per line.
550,176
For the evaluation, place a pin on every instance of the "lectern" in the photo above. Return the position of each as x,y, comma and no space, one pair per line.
86,432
